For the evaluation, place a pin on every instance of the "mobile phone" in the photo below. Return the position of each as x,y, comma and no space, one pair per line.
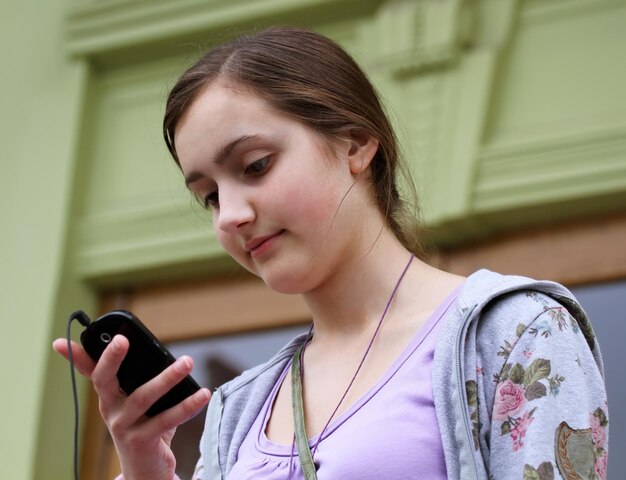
146,357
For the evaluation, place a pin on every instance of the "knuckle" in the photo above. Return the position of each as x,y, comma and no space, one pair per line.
171,372
192,404
116,428
190,407
175,375
164,422
98,382
102,378
173,379
104,409
141,400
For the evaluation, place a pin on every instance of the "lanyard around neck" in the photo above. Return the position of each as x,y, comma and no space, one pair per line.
302,442
304,451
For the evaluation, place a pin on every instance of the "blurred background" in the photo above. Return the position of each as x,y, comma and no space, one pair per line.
512,115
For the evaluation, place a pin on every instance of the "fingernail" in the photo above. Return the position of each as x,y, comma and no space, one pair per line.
182,364
116,345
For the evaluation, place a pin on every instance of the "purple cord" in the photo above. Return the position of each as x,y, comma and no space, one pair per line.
369,347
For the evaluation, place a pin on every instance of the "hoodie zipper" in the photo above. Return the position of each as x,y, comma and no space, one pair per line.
464,405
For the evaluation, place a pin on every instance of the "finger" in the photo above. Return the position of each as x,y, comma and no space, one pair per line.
178,414
145,396
104,375
82,361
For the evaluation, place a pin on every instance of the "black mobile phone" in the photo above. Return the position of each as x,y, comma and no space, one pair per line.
146,357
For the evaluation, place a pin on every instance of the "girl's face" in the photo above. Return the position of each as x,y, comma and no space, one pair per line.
283,206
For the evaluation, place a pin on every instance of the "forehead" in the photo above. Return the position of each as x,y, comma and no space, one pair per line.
219,107
220,113
223,112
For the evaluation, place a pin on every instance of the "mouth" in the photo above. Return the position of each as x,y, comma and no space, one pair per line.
259,245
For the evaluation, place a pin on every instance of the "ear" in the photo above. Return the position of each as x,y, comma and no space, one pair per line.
363,146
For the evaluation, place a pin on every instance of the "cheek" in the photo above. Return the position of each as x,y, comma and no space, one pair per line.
312,203
224,240
232,246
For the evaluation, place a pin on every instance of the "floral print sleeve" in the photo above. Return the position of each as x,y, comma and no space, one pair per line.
541,412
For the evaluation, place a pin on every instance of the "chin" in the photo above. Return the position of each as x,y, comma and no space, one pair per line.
286,286
287,281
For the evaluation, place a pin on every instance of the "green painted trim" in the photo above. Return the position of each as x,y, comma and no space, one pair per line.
542,10
57,414
439,72
453,174
98,27
147,238
561,168
144,238
458,108
414,37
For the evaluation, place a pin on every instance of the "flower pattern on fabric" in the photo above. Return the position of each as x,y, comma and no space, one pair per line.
599,424
518,431
582,453
555,384
517,386
471,389
528,395
510,399
545,471
561,315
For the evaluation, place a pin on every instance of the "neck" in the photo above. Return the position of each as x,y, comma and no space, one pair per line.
350,302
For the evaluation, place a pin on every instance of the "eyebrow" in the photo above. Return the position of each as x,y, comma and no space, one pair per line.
222,154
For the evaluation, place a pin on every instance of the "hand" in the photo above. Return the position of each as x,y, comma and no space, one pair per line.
142,443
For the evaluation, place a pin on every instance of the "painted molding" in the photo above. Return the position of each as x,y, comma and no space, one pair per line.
453,173
108,245
550,170
509,176
418,36
100,27
541,10
437,68
440,75
115,240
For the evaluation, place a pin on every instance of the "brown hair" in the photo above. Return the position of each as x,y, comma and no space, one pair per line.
312,79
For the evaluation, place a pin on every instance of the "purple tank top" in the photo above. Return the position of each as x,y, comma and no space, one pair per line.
391,432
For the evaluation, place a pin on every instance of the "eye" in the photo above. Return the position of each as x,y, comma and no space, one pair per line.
211,200
258,167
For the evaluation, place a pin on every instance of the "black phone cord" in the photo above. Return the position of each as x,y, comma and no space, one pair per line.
84,320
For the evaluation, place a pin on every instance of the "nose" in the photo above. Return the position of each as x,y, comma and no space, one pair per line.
235,210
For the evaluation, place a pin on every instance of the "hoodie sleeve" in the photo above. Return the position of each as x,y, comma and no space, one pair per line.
544,408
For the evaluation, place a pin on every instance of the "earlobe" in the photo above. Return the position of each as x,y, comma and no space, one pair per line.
363,147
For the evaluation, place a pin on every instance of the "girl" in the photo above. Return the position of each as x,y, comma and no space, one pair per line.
408,371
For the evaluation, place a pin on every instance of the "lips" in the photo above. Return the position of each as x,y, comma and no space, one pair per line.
255,245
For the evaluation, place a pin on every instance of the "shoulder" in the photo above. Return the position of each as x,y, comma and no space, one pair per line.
530,329
512,314
507,308
485,287
505,304
520,351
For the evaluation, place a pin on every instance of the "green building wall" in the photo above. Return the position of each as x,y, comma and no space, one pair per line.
40,95
511,113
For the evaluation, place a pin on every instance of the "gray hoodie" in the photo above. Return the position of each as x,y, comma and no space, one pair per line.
517,383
